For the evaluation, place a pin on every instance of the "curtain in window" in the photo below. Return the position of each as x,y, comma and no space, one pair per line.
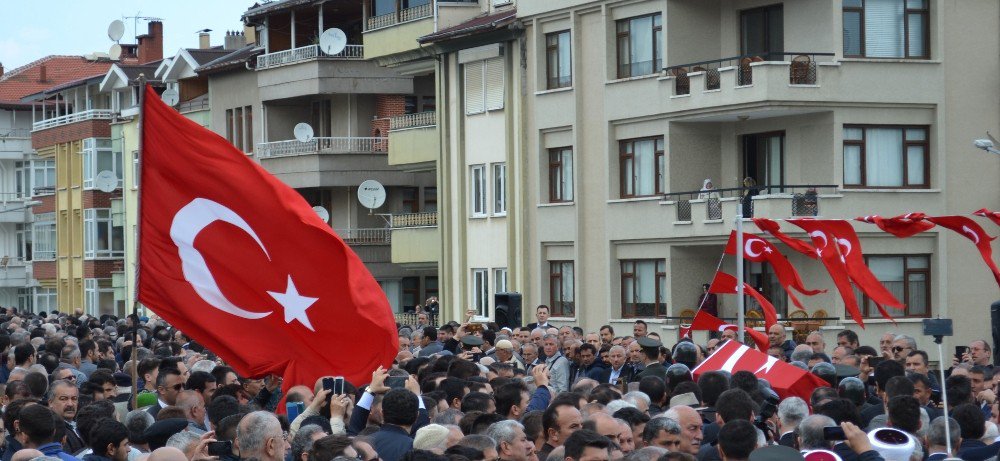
645,288
917,24
645,174
564,73
566,292
884,28
884,157
889,271
641,45
852,33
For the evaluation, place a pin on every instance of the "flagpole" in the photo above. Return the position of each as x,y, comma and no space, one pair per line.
739,270
135,293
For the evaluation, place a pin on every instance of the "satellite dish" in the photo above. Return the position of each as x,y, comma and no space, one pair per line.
170,97
116,30
323,214
115,52
332,41
303,132
106,181
371,194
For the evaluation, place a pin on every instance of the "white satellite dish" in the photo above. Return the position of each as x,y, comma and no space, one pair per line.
323,214
170,97
106,181
371,194
116,30
115,52
332,41
303,132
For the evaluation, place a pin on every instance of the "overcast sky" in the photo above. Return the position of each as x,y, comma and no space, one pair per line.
31,29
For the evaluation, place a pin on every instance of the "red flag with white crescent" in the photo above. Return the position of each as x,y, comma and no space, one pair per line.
834,266
241,263
786,380
991,215
773,228
726,284
902,226
703,321
757,249
974,232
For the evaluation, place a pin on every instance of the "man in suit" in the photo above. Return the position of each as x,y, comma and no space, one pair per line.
791,412
63,397
651,357
169,383
935,438
429,344
619,370
542,317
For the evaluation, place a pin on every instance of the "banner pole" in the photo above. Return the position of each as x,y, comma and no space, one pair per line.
740,302
135,292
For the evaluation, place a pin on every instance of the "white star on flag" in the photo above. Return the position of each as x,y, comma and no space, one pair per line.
294,304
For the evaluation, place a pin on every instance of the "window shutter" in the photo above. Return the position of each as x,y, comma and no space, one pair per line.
494,83
884,28
474,102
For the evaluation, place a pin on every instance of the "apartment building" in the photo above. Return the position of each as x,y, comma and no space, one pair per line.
630,105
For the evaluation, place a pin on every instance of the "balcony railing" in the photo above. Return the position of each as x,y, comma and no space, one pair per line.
199,103
426,219
419,119
15,133
371,236
306,53
397,17
801,70
93,114
324,145
805,199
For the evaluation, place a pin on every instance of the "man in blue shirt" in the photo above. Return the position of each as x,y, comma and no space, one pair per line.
38,423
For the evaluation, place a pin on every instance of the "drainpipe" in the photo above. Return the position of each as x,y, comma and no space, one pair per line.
435,9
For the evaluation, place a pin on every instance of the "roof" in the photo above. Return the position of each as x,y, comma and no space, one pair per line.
236,58
120,75
132,72
204,56
482,23
59,69
80,81
271,6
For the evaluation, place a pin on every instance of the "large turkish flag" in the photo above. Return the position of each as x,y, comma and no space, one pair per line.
241,263
786,380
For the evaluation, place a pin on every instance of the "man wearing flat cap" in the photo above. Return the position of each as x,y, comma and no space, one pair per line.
650,349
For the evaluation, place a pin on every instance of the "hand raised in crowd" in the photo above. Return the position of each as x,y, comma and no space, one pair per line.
320,400
378,381
857,439
201,450
412,385
541,375
272,382
339,405
987,396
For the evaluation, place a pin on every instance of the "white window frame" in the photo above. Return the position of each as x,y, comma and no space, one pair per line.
478,191
93,149
22,179
93,291
484,85
22,240
25,300
135,169
45,300
500,281
499,189
43,174
481,291
43,237
93,219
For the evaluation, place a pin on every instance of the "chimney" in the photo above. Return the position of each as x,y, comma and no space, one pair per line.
204,39
42,74
234,40
151,44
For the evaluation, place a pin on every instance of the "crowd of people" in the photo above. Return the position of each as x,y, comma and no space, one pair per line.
476,392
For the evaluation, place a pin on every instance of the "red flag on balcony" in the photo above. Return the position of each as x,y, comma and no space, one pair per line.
703,321
972,231
242,264
902,226
991,215
785,379
757,249
726,284
773,228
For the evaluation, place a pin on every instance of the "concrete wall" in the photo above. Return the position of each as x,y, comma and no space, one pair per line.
228,90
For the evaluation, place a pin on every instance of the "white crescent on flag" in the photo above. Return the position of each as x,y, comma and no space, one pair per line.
971,233
749,247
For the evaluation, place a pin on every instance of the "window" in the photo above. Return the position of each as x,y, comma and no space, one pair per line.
430,287
411,292
98,156
500,280
99,297
239,127
22,173
478,184
24,300
561,282
102,239
135,169
43,177
43,236
639,46
500,189
887,28
410,201
561,175
430,199
644,288
907,277
886,156
23,241
642,165
248,114
484,85
481,291
45,300
559,72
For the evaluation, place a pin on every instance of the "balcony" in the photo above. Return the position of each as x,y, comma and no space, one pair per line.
323,145
399,17
414,139
397,32
306,53
416,240
93,114
14,272
365,236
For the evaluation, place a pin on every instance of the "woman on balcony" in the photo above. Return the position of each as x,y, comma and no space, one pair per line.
746,197
711,197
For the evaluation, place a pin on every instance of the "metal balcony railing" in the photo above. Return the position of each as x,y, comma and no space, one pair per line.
419,119
426,219
805,199
93,114
200,103
802,69
370,236
306,53
324,145
396,17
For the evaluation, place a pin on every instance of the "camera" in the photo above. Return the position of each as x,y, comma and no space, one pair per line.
767,410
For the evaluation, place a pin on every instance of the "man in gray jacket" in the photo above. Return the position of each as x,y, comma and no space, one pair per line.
557,364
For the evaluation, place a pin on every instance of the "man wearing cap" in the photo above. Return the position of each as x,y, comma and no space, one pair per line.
651,357
504,353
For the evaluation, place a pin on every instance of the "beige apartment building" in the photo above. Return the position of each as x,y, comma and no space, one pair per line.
836,109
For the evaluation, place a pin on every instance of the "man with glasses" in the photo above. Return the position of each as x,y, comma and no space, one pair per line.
259,437
169,383
902,345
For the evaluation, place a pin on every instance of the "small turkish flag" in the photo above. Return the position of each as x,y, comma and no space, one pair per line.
902,226
241,263
972,231
757,249
786,380
703,321
773,228
991,215
726,284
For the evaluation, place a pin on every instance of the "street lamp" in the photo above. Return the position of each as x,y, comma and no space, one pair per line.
23,206
987,144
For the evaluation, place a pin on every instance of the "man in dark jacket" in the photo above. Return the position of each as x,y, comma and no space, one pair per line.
399,413
109,441
651,357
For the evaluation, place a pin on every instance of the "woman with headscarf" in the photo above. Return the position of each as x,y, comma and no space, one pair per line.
711,197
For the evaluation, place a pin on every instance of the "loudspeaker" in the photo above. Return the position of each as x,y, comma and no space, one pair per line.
508,309
995,322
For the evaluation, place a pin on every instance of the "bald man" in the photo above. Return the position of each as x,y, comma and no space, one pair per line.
26,454
167,454
603,424
777,337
